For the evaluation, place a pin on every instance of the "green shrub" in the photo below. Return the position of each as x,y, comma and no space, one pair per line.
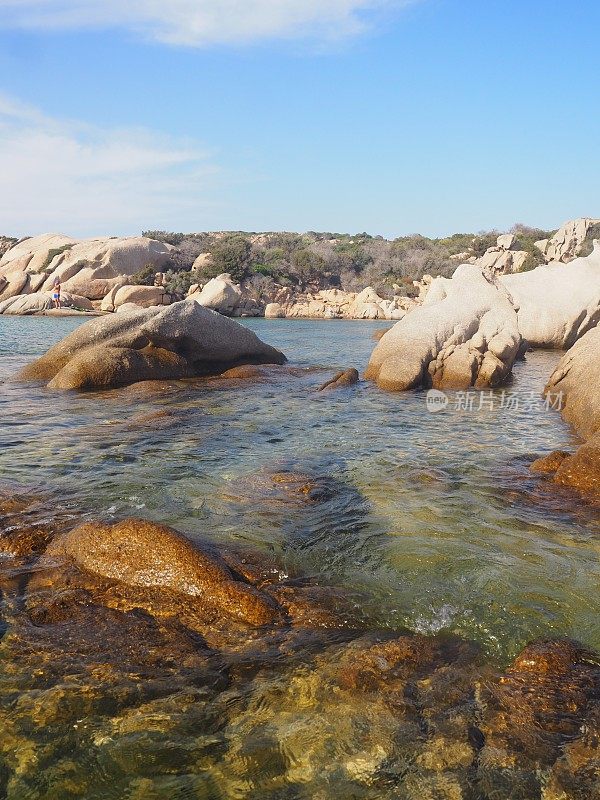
531,262
165,236
178,283
588,245
306,266
145,276
55,251
263,269
230,254
483,241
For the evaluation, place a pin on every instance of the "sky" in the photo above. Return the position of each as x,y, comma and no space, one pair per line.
385,116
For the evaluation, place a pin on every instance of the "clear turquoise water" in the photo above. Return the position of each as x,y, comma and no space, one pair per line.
438,521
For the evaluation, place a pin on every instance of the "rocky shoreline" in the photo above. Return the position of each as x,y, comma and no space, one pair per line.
99,275
137,629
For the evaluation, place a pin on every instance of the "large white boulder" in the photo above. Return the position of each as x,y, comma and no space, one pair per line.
12,284
35,254
220,294
182,340
274,311
89,268
367,305
577,380
566,243
143,296
92,267
557,303
39,302
465,334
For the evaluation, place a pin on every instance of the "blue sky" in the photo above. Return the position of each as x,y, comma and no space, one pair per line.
433,116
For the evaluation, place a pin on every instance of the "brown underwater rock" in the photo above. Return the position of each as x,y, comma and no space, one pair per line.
532,711
550,463
282,488
145,555
28,522
183,340
341,380
579,471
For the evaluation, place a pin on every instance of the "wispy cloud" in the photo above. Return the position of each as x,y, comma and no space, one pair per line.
61,175
203,22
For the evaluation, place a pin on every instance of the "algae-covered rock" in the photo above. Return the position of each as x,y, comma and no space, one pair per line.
531,712
341,380
143,554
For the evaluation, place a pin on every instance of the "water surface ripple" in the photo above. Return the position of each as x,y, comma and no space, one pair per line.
433,520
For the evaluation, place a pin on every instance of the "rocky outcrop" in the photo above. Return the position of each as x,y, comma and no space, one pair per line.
542,703
557,303
12,284
567,242
574,386
274,311
180,341
220,294
41,302
503,258
228,298
465,334
89,268
142,296
577,380
34,255
337,304
143,554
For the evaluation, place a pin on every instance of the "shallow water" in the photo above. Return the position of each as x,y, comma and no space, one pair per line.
435,523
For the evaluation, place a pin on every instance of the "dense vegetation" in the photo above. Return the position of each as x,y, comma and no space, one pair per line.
6,242
588,245
327,260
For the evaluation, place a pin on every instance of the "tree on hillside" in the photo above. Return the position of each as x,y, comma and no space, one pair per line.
230,254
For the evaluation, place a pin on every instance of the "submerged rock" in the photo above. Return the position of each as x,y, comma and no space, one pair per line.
182,340
531,712
383,716
28,522
143,554
550,463
70,679
341,380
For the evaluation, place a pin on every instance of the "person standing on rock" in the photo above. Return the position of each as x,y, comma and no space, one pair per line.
56,294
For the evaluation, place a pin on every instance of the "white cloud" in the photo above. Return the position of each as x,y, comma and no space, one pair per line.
202,22
60,175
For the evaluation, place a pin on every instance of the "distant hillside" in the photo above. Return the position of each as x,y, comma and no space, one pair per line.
325,260
6,242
